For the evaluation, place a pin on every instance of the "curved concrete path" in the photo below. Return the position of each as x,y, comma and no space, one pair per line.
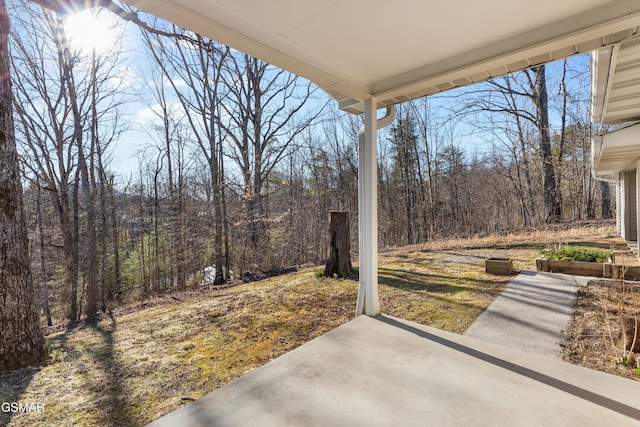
531,314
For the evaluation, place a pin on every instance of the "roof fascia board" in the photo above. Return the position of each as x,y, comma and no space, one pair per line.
600,70
596,152
628,137
609,81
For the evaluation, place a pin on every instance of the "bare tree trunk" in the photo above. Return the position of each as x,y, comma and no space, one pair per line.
553,208
430,214
181,259
43,269
91,256
217,179
21,340
559,170
143,267
256,73
116,290
423,196
63,207
87,190
104,226
156,219
225,218
74,245
527,175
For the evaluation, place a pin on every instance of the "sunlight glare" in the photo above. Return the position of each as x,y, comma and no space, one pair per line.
88,29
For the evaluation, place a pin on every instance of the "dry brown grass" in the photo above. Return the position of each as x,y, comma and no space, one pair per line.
130,369
136,366
596,338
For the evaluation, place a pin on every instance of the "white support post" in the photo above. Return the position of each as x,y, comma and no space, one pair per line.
626,223
368,209
637,197
619,205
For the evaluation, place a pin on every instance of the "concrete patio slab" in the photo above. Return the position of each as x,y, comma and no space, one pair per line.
531,314
389,372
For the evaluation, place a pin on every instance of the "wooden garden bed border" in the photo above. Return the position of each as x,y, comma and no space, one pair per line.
581,268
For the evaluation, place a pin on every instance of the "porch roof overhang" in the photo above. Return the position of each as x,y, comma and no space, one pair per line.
397,51
615,99
615,82
616,152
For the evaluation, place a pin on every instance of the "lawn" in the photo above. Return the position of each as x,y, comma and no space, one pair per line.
131,368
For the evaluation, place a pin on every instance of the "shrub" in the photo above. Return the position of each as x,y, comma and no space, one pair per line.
577,253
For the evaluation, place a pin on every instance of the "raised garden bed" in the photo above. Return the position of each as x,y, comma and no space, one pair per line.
583,268
499,266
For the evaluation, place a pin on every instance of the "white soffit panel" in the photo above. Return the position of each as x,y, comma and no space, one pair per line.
617,151
617,86
403,49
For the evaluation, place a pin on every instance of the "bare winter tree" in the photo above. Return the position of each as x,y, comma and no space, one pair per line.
197,64
530,85
538,95
64,97
429,138
263,116
21,340
45,132
43,269
515,150
407,172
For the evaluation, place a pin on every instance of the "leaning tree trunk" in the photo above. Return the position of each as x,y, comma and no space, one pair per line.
339,260
21,340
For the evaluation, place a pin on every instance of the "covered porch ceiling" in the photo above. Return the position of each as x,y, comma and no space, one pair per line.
405,49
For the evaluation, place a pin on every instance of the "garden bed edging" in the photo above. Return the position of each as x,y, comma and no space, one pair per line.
583,268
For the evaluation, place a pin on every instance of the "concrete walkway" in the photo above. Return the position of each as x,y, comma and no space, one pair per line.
389,372
532,313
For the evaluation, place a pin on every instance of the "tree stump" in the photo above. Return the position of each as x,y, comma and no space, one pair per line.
339,258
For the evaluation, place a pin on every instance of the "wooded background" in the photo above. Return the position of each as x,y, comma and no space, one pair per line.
242,161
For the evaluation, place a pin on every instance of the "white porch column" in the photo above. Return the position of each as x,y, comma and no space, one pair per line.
368,210
619,205
637,195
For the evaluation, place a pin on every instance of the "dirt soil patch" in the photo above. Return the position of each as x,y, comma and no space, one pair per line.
607,311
